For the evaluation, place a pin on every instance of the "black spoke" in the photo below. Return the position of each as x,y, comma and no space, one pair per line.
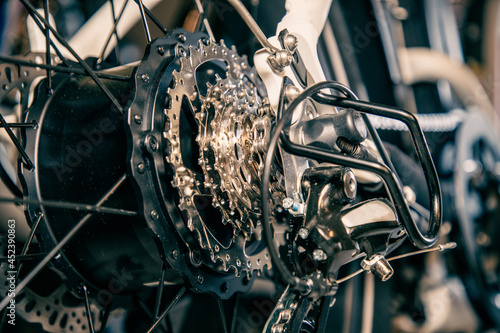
222,315
115,22
59,246
33,230
52,44
72,205
144,21
32,11
69,70
21,125
25,257
87,307
105,317
48,57
154,19
16,143
234,320
9,182
203,19
167,309
113,31
149,314
159,292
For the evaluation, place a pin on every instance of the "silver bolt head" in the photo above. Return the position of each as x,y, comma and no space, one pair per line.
287,203
303,233
319,255
291,92
291,42
350,184
283,58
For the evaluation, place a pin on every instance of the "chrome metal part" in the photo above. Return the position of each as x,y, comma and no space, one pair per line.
233,130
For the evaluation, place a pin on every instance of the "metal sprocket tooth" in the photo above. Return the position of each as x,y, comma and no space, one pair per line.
184,96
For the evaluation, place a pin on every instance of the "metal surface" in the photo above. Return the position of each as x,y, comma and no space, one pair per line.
162,128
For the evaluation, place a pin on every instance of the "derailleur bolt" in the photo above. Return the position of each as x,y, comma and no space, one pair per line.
279,60
319,255
288,203
350,185
303,233
291,43
291,92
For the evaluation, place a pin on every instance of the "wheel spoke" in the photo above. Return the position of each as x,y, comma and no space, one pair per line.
105,317
115,22
59,246
21,125
149,314
222,315
31,235
113,31
235,313
72,205
48,58
203,19
25,257
9,183
167,309
154,19
54,46
69,70
144,21
159,293
87,307
16,142
32,11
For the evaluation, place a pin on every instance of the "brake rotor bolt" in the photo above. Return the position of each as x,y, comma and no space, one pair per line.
154,215
141,168
181,38
145,78
319,255
303,233
161,50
